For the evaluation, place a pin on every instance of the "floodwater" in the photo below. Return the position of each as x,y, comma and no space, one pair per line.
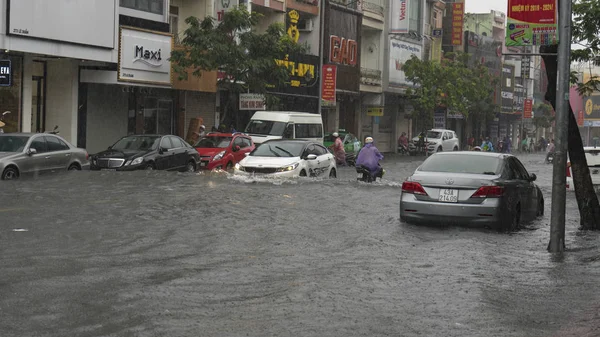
174,254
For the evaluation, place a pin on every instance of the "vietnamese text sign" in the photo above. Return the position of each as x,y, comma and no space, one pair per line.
527,108
531,23
439,118
458,13
5,73
399,16
580,118
400,52
329,85
375,111
252,102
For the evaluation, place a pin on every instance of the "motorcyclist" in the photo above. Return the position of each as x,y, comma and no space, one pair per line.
550,150
403,141
369,157
487,145
338,150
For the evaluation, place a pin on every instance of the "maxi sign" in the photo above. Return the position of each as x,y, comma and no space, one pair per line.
143,56
531,23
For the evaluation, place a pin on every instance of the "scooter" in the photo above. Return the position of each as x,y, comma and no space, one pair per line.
550,158
365,175
350,159
403,150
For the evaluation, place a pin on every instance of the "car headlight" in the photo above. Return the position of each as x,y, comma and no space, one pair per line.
288,168
239,167
219,155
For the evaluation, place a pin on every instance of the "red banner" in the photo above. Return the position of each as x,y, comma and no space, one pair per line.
533,11
458,14
580,118
527,108
329,84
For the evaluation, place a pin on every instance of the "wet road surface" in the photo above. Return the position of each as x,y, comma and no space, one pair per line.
173,254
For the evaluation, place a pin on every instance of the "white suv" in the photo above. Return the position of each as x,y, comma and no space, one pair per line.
437,140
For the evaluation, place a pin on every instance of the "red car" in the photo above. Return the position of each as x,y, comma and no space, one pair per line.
223,150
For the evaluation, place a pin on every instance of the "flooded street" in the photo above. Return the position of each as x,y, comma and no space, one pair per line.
173,254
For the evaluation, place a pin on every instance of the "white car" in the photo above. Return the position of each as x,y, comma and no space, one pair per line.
288,158
592,155
438,140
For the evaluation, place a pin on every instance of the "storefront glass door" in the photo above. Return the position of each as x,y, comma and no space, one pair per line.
158,116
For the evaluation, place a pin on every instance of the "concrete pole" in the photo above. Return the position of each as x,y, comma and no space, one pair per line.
559,192
323,3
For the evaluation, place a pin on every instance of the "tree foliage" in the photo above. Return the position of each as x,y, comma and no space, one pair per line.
451,84
543,116
234,46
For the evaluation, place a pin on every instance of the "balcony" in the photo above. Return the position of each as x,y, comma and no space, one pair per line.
352,4
370,76
374,6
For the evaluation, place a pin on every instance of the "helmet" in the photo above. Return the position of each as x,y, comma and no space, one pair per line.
202,127
368,140
335,134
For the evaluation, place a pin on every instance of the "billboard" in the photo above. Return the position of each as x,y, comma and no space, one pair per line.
342,46
329,85
89,22
144,56
400,52
591,107
531,23
399,16
507,88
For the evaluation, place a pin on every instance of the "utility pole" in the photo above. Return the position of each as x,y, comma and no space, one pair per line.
559,192
323,3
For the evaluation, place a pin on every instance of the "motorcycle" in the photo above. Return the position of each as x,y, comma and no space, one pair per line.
350,159
550,158
364,174
403,150
2,124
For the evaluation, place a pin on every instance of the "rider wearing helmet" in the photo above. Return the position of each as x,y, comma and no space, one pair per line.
338,150
369,157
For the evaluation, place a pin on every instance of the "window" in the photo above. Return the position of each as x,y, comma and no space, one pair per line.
247,142
462,163
414,18
309,131
39,144
165,143
519,169
176,142
321,150
55,144
174,22
150,6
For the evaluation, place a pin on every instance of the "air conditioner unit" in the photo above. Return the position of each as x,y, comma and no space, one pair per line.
305,25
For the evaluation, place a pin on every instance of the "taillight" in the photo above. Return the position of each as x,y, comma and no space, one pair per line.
568,169
488,192
87,156
413,187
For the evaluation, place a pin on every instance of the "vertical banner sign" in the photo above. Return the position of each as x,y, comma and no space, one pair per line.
580,118
525,67
5,73
222,6
507,89
527,108
439,118
458,13
399,17
329,84
531,23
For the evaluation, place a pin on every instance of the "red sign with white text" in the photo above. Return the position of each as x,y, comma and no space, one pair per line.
329,84
527,108
580,118
533,11
458,14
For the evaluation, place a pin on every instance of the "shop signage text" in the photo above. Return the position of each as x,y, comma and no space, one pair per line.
150,57
531,24
399,18
5,73
302,70
527,108
342,50
375,111
329,85
222,6
252,102
140,56
400,52
458,13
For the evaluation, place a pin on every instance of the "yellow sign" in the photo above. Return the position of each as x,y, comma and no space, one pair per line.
589,106
293,31
377,112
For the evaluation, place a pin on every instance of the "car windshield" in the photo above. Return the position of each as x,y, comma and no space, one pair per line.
267,128
13,143
434,134
278,149
211,142
137,143
462,163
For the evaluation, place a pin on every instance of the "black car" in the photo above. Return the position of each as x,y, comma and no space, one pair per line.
147,152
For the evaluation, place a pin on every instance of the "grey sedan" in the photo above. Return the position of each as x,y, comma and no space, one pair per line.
22,153
471,188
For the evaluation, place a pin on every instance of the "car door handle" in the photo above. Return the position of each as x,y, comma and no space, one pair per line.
47,157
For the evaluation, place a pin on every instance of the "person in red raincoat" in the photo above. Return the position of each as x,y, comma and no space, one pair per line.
338,150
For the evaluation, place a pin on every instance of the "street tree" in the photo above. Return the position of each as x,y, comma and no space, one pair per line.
543,116
245,57
450,83
585,33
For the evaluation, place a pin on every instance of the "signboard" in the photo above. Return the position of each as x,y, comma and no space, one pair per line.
580,118
303,75
531,23
375,111
437,33
342,46
144,56
458,14
525,67
527,108
400,52
507,88
399,16
252,102
329,85
222,6
439,118
5,73
436,49
592,107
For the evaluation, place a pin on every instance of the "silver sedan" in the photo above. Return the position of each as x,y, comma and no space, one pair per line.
23,153
471,188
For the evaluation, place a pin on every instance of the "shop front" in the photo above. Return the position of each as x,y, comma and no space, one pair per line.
11,75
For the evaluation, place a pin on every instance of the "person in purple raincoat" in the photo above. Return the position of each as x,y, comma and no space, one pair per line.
369,157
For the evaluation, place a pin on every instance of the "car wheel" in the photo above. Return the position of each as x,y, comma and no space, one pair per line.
150,167
190,167
332,174
455,148
229,167
10,173
303,173
540,209
74,167
439,149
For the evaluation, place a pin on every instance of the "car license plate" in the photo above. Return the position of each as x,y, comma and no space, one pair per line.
203,163
447,195
595,171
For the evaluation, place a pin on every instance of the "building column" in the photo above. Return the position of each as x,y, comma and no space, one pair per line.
27,93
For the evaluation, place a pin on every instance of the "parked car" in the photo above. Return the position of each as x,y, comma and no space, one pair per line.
23,153
436,140
351,143
471,188
149,152
223,150
288,158
592,155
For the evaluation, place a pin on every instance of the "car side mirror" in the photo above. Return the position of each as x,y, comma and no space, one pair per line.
110,147
532,177
236,148
31,151
311,157
162,150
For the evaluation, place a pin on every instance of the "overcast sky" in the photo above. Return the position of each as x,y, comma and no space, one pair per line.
484,6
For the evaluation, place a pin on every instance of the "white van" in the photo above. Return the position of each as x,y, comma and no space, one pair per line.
266,125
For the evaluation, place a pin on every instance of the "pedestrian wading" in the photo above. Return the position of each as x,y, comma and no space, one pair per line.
587,200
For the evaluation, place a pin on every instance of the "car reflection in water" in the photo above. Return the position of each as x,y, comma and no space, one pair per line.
471,188
149,152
